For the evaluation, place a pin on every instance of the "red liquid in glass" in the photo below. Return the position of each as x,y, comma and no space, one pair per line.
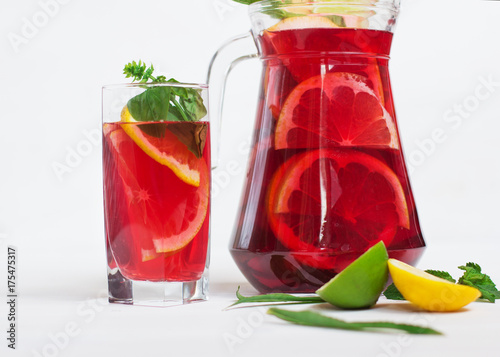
157,225
317,196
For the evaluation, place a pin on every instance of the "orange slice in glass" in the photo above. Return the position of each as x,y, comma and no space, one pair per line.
168,150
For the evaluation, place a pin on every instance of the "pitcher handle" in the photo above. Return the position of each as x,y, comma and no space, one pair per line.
218,72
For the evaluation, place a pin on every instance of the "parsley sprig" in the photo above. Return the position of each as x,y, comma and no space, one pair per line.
140,73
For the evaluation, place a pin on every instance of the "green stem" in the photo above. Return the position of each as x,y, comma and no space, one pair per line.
181,109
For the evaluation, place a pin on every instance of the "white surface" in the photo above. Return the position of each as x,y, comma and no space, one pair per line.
101,329
50,97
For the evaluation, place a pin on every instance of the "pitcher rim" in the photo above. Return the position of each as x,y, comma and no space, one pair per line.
266,5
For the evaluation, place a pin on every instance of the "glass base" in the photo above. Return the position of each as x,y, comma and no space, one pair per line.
147,293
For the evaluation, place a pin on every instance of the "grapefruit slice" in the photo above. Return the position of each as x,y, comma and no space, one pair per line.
335,109
168,150
165,212
335,202
309,46
278,83
292,37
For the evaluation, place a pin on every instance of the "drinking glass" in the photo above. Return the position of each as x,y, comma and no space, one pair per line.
156,195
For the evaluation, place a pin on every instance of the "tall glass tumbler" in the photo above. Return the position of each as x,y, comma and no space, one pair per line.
156,171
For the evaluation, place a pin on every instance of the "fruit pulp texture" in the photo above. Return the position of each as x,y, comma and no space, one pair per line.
343,198
147,206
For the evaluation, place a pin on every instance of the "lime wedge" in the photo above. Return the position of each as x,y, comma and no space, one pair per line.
360,284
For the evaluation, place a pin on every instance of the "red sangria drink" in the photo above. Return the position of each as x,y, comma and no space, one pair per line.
156,164
327,178
156,201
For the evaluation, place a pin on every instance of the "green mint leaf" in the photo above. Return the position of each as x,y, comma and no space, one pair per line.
151,105
337,20
282,14
246,2
474,277
175,114
162,103
310,318
249,2
275,13
190,101
392,293
277,298
193,105
178,91
441,274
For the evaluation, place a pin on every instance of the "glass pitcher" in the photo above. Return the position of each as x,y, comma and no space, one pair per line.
326,178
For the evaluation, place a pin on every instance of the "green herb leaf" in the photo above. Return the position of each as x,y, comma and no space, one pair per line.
152,105
337,20
441,274
392,293
276,298
282,14
276,13
193,135
310,318
162,103
193,104
246,2
138,72
475,278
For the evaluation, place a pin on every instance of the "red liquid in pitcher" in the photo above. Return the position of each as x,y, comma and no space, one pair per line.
156,200
327,178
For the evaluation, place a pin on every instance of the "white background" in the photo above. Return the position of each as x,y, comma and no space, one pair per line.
50,87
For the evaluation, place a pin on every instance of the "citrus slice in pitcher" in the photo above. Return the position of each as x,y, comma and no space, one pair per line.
302,22
310,45
335,202
337,109
278,83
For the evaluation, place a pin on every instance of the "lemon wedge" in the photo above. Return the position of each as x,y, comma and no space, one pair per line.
428,291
